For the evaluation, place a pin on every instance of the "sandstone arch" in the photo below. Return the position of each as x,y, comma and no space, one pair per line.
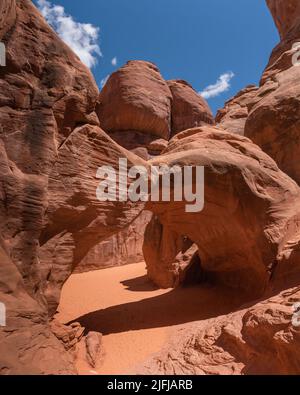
242,231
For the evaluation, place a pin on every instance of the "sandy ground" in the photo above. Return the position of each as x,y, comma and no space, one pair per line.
134,316
100,290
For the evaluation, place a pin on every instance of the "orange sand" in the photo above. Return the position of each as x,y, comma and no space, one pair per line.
134,316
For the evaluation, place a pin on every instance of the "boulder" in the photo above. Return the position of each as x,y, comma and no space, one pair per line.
93,343
189,109
69,335
136,98
156,147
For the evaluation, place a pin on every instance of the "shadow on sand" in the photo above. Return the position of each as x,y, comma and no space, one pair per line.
139,284
179,306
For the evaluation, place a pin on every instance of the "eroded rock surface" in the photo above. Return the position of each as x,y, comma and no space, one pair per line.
261,339
93,344
50,149
27,343
247,234
137,107
136,98
273,121
234,115
189,109
123,248
286,14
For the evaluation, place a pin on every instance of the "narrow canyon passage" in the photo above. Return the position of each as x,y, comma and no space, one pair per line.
135,317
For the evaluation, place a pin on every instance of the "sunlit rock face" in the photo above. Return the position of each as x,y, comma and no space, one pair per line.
234,115
273,121
262,338
56,129
247,232
7,15
50,148
189,109
136,98
137,107
286,14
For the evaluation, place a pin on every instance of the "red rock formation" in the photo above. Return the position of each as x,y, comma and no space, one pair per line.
157,146
75,220
68,335
123,248
93,342
27,343
286,14
136,98
273,121
260,339
250,216
51,145
142,144
189,109
137,107
234,115
7,15
50,148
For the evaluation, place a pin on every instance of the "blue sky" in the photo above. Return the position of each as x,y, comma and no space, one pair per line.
195,40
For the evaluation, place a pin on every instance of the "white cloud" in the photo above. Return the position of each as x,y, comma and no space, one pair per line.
104,81
114,61
222,85
81,37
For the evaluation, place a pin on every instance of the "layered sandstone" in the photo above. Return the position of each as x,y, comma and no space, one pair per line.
247,237
27,343
247,234
51,147
189,109
123,248
286,14
7,15
137,107
234,115
256,340
136,98
262,338
273,121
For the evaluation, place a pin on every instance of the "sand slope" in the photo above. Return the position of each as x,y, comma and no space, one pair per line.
134,316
